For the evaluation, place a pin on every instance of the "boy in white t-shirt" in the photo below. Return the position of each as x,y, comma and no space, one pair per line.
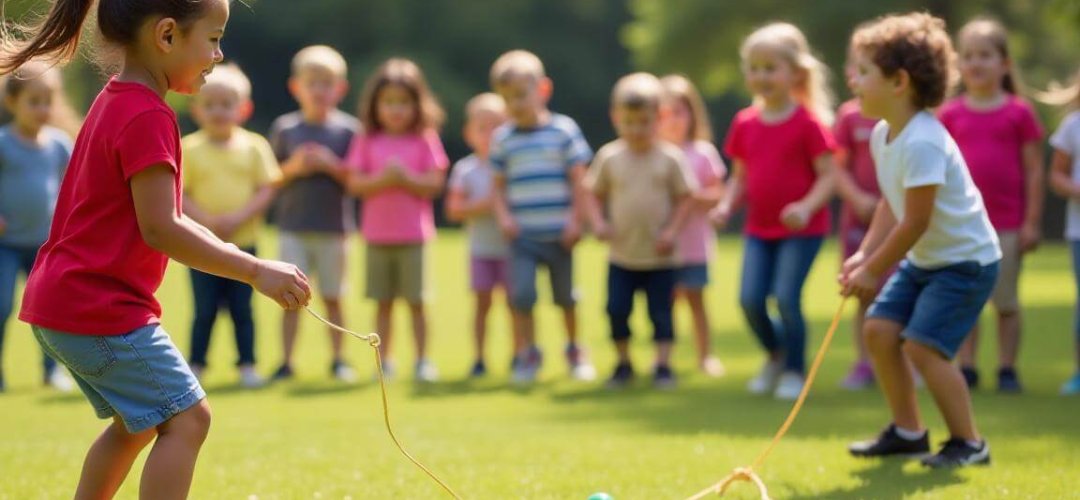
933,219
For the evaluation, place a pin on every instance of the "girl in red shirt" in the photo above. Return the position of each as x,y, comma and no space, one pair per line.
781,152
90,298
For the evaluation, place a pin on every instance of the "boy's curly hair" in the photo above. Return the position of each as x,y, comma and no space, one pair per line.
916,43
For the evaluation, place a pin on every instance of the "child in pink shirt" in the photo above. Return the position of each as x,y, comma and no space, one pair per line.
1001,140
399,166
782,164
684,121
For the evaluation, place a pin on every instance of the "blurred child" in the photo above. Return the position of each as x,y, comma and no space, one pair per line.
684,121
932,219
228,176
782,164
857,185
469,200
90,299
313,211
398,166
1001,140
1065,181
645,185
540,158
34,154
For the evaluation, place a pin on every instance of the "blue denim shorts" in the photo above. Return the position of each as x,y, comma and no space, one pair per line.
139,376
937,307
526,257
692,277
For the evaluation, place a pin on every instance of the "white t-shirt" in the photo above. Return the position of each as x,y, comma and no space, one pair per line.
1067,140
924,154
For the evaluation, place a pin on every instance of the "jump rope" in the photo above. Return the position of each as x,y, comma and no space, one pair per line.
746,474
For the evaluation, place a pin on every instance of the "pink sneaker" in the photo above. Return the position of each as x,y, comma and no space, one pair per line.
861,377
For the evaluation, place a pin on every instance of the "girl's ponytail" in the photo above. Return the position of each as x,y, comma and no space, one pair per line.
56,38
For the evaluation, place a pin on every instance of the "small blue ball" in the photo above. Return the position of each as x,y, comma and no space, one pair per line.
600,496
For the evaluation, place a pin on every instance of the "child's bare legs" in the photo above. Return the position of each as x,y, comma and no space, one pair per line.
419,324
524,323
663,353
290,324
695,298
109,460
884,344
384,325
1008,338
335,316
948,388
483,307
860,340
570,322
171,463
519,338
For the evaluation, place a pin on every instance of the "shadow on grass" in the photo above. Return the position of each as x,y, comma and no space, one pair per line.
886,479
466,387
315,389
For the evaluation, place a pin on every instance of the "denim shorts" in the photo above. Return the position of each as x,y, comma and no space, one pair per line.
937,307
526,258
140,376
693,276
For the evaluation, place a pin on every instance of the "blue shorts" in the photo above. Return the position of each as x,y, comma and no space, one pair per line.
937,307
526,257
692,277
139,376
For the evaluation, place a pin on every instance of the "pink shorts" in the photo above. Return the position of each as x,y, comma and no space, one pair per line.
488,273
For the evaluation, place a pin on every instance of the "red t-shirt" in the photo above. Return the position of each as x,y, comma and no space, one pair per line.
95,275
852,131
778,159
992,143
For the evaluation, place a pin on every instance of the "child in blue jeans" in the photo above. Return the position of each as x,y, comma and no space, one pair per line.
933,218
33,157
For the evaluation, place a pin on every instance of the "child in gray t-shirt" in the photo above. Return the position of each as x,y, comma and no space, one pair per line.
469,200
312,209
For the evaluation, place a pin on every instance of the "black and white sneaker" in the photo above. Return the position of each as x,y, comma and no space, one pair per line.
958,453
889,444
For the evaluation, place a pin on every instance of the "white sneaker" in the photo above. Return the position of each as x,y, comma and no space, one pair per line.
250,379
790,386
766,380
712,367
389,370
343,372
426,372
61,381
583,372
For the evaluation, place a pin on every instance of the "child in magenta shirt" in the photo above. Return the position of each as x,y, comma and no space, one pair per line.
857,185
684,121
1001,140
90,298
782,164
399,167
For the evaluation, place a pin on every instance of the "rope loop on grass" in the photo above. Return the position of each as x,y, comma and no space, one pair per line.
747,473
374,340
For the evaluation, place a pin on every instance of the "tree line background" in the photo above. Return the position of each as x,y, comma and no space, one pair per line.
586,45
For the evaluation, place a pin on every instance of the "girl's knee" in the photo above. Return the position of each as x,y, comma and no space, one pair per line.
193,423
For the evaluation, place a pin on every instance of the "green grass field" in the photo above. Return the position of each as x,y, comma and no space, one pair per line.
313,438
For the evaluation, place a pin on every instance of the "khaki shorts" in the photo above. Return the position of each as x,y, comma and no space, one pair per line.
1006,297
396,271
321,256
